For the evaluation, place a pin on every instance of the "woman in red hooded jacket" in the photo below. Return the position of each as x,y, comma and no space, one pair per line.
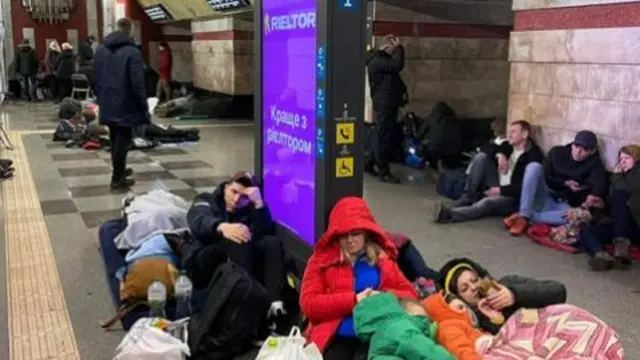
164,72
353,259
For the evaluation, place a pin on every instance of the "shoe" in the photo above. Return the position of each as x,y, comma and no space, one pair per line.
621,256
123,184
601,261
441,214
278,320
371,170
510,220
128,172
520,226
389,179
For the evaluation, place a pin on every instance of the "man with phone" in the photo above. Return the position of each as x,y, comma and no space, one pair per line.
573,176
233,222
388,93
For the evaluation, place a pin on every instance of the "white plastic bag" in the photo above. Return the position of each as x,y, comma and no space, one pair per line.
145,342
290,347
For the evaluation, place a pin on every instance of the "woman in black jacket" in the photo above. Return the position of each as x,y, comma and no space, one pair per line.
624,208
66,68
493,301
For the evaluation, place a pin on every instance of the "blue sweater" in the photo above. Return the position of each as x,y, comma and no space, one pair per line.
365,276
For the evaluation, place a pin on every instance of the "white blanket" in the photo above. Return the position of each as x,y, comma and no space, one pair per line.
157,211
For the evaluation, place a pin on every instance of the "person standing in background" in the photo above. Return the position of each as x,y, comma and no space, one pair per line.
122,97
64,70
26,62
85,58
164,71
388,93
50,67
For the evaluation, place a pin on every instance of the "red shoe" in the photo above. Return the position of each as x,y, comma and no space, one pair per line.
519,226
510,220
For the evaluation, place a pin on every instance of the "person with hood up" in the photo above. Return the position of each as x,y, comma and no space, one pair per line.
495,301
352,260
397,329
624,208
234,222
163,87
122,97
573,175
26,62
388,93
50,66
64,71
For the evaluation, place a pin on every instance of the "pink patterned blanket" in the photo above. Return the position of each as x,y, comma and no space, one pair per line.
557,332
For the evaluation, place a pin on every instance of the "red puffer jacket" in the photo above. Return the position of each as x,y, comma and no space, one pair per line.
327,294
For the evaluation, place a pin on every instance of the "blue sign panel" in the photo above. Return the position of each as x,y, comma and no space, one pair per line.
349,4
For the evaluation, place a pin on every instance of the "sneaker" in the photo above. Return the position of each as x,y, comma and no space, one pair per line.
278,321
601,261
441,213
519,227
371,170
621,256
510,220
123,184
389,179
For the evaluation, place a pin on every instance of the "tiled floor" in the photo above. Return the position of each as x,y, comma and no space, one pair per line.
72,191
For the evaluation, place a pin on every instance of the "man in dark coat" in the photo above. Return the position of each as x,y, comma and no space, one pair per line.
122,97
26,62
85,58
388,93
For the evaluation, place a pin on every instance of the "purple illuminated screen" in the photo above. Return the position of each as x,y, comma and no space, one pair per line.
288,113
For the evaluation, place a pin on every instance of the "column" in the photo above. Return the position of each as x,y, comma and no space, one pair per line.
223,56
577,67
455,52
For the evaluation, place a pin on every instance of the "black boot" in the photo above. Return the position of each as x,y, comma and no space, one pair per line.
122,184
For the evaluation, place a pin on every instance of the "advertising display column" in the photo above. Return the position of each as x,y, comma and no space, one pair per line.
309,79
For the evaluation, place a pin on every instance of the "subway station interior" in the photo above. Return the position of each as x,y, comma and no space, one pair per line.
562,65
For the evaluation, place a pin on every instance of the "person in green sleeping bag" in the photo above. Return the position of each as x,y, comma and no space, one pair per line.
397,329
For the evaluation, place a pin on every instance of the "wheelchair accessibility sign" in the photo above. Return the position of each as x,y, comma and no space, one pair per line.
344,167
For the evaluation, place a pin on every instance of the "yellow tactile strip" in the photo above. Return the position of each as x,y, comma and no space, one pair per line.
39,323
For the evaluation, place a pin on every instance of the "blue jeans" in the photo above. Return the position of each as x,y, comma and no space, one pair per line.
412,264
536,202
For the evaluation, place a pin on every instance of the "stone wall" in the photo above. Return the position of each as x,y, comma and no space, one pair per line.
223,55
577,68
456,52
179,39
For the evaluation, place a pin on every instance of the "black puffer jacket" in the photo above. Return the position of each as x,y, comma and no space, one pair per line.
387,87
528,292
630,182
26,60
66,65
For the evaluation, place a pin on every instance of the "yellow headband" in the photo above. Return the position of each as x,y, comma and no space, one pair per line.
450,273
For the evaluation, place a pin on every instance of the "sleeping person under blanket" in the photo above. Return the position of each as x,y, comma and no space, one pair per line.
547,333
396,329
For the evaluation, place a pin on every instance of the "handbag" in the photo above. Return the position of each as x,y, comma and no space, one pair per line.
144,341
289,347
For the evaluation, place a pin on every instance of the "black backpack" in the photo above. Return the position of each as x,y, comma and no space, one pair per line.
232,316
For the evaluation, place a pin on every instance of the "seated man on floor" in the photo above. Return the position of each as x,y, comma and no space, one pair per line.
234,223
573,176
495,178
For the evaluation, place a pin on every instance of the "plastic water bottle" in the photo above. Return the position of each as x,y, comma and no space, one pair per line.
183,292
157,299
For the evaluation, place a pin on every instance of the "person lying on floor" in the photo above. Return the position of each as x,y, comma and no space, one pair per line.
472,284
624,208
396,329
573,176
496,177
527,334
353,258
234,223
